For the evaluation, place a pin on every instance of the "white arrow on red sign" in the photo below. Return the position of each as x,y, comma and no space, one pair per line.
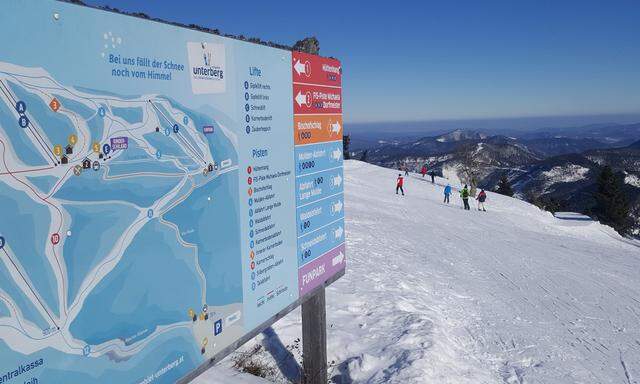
300,68
302,99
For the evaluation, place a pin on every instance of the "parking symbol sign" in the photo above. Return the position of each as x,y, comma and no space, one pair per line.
217,327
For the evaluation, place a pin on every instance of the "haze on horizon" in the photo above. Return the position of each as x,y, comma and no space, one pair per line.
453,61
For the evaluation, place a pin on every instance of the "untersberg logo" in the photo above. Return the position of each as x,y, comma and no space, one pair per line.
207,65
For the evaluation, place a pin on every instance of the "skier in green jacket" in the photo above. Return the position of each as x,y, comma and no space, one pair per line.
464,194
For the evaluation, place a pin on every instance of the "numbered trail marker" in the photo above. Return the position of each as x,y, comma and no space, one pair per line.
21,107
2,242
23,121
54,105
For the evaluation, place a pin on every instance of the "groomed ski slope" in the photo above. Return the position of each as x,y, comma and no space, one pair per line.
436,294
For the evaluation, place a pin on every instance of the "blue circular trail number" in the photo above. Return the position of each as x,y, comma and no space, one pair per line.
101,112
150,213
176,128
2,242
21,107
185,120
106,149
23,121
158,154
167,131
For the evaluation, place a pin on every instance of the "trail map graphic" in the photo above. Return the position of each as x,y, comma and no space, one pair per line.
89,181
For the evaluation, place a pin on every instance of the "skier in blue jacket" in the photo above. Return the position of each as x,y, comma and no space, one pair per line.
447,193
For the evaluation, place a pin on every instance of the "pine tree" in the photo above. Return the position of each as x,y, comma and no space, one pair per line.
309,45
504,188
346,140
364,155
612,206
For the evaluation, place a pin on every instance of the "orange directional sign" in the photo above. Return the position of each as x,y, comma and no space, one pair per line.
310,129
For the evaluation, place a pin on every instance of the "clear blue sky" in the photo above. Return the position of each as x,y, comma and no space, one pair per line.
432,60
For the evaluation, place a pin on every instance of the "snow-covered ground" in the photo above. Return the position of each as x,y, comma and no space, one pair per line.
566,174
226,375
436,294
632,180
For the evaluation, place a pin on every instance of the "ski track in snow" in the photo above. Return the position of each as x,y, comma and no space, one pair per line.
436,294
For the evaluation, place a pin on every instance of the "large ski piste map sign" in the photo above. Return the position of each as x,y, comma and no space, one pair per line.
165,194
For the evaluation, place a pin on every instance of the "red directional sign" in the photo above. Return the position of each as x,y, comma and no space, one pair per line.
312,69
316,99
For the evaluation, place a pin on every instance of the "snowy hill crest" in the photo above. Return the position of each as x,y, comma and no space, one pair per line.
435,294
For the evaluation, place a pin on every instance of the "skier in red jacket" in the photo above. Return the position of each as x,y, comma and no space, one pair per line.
423,171
399,184
482,197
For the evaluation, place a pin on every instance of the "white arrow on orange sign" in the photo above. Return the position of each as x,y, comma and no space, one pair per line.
335,128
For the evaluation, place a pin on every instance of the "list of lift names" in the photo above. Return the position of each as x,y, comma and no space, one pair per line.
258,100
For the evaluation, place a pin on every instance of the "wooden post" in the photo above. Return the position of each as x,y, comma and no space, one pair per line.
314,339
